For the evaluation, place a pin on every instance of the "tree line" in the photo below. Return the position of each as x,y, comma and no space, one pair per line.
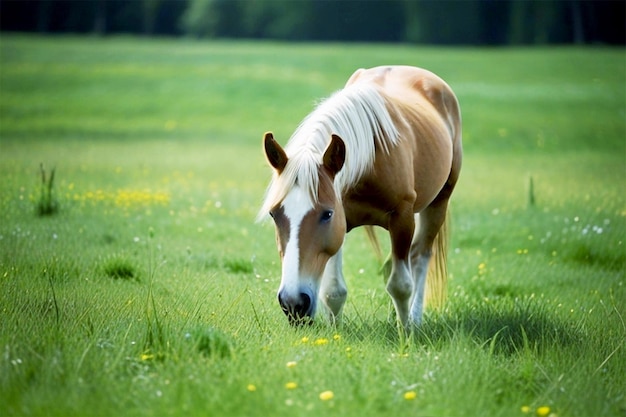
452,22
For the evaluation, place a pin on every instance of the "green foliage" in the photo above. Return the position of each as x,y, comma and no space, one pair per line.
200,18
162,177
212,342
47,204
459,22
238,266
427,22
118,267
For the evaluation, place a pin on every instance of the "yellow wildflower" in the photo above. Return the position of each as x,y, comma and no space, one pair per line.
525,409
337,337
410,395
291,385
326,395
305,339
251,387
321,341
543,411
291,364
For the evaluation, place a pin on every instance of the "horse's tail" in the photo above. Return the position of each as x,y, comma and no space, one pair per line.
385,268
371,235
437,277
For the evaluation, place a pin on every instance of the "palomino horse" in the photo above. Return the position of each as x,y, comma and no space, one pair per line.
384,151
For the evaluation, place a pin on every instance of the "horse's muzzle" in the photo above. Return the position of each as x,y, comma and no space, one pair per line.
299,308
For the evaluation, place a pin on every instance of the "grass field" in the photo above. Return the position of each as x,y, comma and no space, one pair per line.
151,291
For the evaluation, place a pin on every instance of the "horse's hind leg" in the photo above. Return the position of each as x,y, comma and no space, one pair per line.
430,221
333,289
400,284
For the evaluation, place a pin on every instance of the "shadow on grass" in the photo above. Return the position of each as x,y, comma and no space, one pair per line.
503,327
515,327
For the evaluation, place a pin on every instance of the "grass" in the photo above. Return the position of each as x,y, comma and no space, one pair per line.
151,291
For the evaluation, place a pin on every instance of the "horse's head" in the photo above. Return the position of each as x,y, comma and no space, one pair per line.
310,224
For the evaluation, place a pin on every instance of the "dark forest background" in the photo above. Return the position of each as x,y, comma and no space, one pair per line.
460,22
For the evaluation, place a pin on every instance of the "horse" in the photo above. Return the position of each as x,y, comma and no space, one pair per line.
386,151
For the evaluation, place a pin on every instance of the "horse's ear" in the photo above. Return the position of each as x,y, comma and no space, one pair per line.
275,155
335,155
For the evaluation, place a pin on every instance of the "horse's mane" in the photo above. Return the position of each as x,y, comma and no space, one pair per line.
359,115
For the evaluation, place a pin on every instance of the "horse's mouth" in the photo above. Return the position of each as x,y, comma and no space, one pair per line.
300,309
297,321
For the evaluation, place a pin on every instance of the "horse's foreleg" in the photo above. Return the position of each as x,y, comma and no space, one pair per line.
400,284
333,290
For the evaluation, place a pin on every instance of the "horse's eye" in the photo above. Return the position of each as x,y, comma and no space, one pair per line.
326,216
271,214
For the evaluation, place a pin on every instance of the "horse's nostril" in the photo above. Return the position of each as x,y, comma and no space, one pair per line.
303,307
284,305
297,308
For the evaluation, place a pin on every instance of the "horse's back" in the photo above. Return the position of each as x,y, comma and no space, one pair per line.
403,80
412,85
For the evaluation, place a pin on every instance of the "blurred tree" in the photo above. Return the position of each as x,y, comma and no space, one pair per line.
459,22
577,22
43,16
100,19
572,21
199,19
150,10
517,22
374,20
278,19
212,18
413,31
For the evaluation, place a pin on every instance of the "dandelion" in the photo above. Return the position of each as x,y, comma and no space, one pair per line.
525,409
251,387
291,385
326,395
305,339
321,341
147,356
291,364
543,411
337,337
410,395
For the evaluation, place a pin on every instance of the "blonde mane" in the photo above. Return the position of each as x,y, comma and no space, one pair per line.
359,115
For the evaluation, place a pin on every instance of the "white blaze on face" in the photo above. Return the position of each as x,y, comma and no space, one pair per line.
295,206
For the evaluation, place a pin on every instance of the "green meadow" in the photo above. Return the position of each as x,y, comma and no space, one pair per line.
137,283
